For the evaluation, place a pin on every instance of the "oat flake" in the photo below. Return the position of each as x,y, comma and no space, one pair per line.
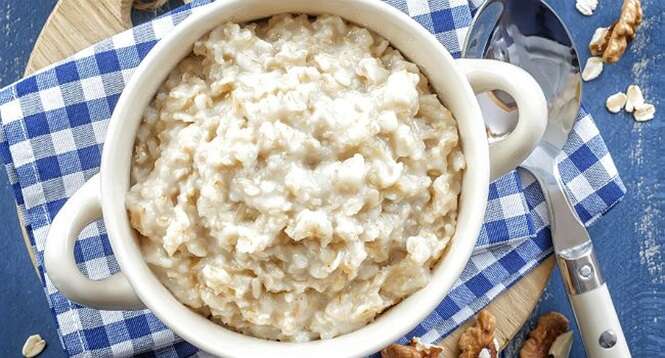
598,35
33,346
592,69
644,113
616,102
634,98
586,7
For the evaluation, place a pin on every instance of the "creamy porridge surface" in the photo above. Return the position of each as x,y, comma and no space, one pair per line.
294,178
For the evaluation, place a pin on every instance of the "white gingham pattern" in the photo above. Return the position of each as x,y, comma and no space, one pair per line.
53,126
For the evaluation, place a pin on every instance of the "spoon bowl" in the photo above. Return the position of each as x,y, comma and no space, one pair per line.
530,35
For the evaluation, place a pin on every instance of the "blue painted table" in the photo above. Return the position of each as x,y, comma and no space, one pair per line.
629,240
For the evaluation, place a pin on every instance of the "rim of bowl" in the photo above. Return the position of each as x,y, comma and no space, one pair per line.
406,35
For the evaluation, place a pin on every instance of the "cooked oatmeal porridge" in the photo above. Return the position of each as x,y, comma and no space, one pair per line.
294,178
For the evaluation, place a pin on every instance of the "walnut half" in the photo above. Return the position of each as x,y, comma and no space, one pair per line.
414,350
479,337
613,43
549,327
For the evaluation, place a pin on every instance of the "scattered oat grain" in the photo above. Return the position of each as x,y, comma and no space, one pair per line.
644,113
598,37
592,69
33,346
616,102
634,98
586,7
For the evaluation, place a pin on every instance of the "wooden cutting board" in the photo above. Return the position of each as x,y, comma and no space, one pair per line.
76,24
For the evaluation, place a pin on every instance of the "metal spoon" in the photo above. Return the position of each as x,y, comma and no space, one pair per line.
529,34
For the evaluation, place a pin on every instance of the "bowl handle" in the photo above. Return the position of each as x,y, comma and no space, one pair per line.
485,75
113,293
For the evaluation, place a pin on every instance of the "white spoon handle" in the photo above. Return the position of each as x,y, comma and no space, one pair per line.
592,304
599,324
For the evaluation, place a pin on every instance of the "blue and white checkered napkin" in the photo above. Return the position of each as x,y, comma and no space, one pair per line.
53,126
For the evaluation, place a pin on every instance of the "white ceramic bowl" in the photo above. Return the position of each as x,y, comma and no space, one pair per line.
136,287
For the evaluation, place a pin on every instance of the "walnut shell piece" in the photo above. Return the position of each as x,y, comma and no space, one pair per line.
414,350
550,326
478,337
615,40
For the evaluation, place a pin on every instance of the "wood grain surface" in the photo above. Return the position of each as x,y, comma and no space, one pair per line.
76,24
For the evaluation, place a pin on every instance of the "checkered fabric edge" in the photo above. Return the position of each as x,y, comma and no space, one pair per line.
53,126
